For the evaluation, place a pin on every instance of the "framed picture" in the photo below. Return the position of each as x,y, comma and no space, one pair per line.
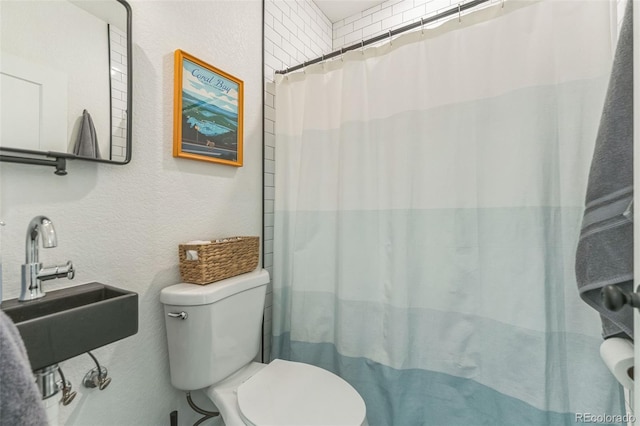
208,107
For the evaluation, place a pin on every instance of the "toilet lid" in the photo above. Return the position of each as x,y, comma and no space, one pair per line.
286,393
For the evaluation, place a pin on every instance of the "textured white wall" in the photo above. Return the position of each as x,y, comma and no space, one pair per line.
121,225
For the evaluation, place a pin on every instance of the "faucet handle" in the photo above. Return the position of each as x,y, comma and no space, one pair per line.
58,271
67,393
97,378
71,271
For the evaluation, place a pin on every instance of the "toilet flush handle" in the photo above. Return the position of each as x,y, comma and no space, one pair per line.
182,315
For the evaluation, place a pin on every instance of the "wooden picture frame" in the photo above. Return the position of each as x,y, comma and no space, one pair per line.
208,112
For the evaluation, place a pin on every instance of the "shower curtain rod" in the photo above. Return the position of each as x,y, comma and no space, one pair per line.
458,9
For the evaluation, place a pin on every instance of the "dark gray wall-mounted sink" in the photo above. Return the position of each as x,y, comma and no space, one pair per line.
69,322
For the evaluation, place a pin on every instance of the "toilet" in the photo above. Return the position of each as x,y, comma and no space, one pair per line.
213,335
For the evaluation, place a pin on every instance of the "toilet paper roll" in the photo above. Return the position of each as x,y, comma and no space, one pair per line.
617,354
193,254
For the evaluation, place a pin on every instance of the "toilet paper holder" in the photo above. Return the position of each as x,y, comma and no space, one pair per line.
618,355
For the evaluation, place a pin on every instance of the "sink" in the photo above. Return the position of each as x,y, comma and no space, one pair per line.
69,322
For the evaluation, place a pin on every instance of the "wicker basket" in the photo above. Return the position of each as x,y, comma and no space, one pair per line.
219,260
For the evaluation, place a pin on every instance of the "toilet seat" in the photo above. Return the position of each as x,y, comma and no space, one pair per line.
286,393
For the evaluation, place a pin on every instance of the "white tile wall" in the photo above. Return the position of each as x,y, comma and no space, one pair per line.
295,31
393,14
390,15
118,47
267,233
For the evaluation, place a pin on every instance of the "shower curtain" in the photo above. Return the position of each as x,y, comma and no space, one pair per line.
429,195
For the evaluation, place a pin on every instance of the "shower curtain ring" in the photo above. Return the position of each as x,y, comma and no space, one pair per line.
502,4
390,39
342,54
422,25
362,46
459,14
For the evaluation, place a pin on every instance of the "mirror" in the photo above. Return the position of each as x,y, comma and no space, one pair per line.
65,79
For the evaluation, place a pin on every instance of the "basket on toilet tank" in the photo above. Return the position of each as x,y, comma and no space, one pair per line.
208,262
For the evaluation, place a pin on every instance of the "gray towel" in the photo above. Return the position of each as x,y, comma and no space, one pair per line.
605,249
20,401
87,142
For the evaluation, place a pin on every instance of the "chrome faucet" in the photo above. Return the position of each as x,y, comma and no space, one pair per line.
32,271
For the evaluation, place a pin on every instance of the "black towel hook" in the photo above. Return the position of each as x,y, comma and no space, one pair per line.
615,299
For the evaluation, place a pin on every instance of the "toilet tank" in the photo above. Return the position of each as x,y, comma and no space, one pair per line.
220,332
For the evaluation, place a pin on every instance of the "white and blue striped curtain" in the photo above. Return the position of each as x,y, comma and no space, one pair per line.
429,195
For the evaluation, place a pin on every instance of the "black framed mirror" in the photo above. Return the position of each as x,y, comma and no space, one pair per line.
65,81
